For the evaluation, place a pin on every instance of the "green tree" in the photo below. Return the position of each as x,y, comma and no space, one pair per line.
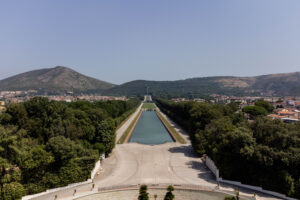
255,110
105,134
7,141
143,195
100,147
35,162
18,114
9,177
64,149
266,105
13,191
169,195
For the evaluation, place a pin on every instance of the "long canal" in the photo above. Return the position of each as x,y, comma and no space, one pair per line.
150,130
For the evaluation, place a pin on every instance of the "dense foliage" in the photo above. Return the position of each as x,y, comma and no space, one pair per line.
265,152
260,108
46,144
255,111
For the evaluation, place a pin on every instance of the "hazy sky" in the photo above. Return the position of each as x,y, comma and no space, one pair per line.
119,41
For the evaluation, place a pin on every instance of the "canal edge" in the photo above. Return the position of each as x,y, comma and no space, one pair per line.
133,127
165,125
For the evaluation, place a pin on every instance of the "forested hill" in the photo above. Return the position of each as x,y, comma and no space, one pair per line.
54,80
274,84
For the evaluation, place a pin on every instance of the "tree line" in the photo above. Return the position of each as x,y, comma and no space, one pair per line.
263,152
47,144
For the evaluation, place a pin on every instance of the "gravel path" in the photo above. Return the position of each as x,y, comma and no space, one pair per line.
123,128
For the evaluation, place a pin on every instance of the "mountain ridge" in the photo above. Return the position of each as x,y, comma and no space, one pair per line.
63,79
281,84
54,80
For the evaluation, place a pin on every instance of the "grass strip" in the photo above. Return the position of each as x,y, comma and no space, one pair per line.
149,105
171,129
129,129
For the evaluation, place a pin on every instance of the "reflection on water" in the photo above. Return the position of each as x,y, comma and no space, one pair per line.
150,130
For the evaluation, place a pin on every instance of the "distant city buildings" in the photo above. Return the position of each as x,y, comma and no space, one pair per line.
286,114
2,106
7,97
286,109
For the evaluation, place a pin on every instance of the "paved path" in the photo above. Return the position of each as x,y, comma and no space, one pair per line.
170,163
134,163
123,128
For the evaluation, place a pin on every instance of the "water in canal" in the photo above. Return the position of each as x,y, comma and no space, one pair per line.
150,130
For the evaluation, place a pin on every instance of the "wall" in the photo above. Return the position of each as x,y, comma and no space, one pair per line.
211,165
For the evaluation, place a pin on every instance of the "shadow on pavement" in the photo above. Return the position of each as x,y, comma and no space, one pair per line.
186,150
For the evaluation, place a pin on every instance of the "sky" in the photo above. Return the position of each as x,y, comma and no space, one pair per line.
119,41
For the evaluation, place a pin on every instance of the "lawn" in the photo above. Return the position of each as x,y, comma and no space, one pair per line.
149,106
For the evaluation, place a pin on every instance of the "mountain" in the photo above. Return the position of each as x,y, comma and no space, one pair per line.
287,84
59,80
54,80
